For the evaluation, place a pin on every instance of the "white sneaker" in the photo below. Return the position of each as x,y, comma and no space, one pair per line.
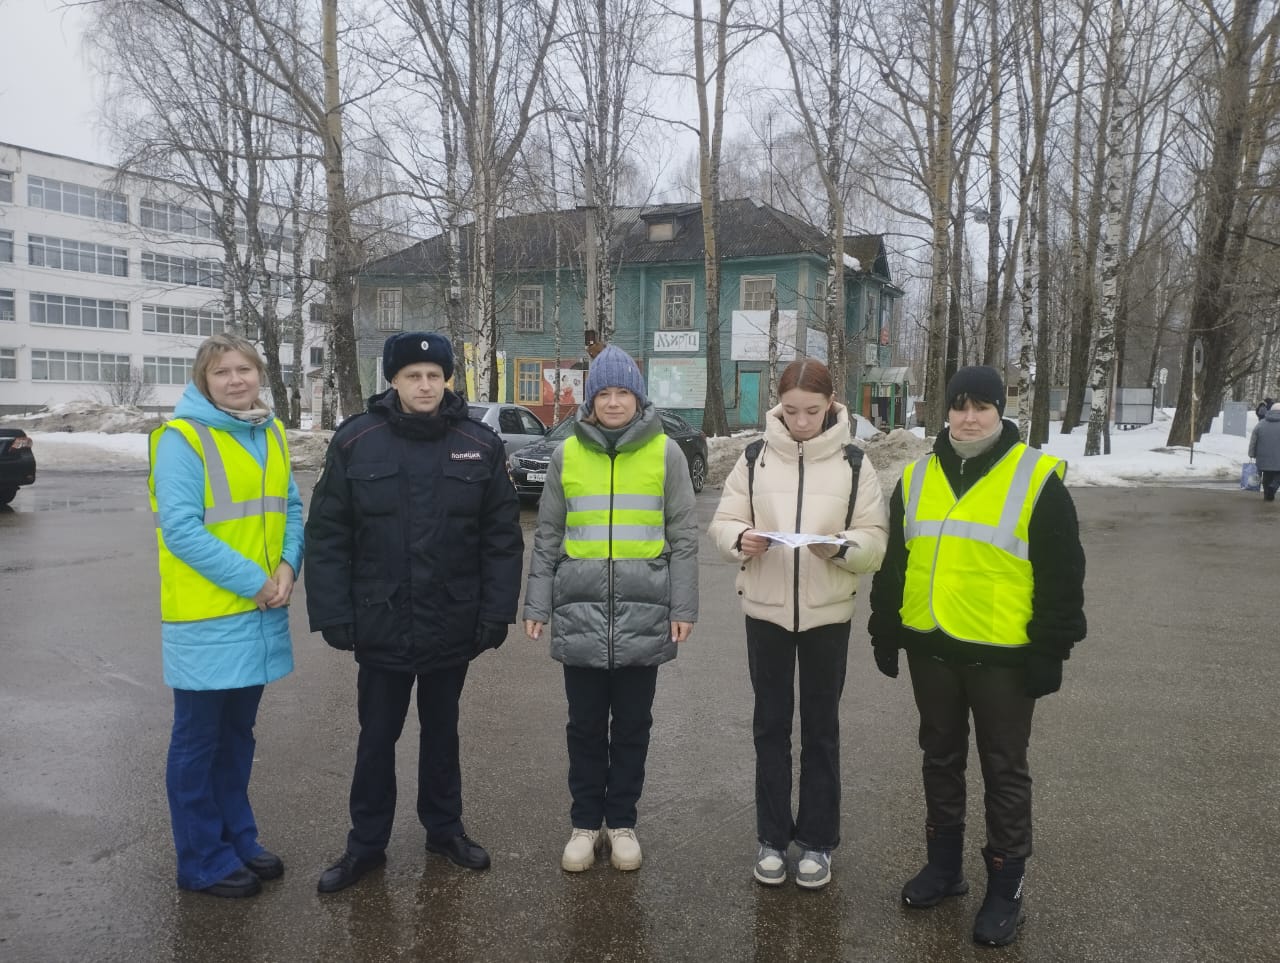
771,866
580,851
625,848
814,869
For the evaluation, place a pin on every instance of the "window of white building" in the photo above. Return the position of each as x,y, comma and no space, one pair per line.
7,305
68,255
165,319
163,216
6,246
78,312
8,364
200,272
158,370
77,199
6,187
82,366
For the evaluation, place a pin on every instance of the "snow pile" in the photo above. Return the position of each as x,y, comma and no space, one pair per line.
307,448
91,437
86,416
88,436
890,453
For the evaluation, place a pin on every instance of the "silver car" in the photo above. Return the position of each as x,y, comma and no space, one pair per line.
517,425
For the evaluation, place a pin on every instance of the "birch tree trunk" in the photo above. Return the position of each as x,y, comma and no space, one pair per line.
1101,375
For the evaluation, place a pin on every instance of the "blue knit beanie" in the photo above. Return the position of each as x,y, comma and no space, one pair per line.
614,368
413,347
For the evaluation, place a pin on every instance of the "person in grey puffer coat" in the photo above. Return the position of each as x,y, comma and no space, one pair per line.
615,571
1264,448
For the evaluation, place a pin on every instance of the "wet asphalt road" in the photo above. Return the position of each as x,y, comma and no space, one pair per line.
1157,776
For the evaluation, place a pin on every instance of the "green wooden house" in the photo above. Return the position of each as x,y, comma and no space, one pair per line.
658,306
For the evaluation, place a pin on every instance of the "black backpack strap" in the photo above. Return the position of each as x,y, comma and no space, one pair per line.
752,452
854,456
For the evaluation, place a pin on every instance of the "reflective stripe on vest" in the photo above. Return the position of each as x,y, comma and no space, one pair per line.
614,507
245,506
968,564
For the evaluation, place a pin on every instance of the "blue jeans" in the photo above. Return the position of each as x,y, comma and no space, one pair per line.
210,758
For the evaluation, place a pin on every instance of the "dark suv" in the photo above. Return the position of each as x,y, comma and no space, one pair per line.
17,463
529,464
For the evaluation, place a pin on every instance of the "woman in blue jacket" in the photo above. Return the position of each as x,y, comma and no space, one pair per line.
229,526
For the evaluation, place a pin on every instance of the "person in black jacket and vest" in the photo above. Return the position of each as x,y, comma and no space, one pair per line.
415,553
983,585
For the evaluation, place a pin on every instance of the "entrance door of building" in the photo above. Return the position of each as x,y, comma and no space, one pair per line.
748,399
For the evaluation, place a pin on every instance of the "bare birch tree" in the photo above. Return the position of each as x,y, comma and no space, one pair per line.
489,57
1101,376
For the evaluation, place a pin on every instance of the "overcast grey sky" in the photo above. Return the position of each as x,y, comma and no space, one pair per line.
47,98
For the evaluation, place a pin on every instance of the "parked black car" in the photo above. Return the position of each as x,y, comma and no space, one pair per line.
17,463
529,464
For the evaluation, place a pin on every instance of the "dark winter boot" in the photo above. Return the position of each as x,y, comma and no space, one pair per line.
997,922
943,875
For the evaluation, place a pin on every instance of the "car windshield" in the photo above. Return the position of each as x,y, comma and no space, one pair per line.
477,412
561,431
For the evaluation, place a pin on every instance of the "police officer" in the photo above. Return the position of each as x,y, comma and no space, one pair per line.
414,562
983,586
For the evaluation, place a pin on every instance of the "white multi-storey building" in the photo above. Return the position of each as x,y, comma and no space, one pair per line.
103,275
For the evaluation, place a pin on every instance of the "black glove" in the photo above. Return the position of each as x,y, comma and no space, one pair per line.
1042,674
489,635
341,637
886,657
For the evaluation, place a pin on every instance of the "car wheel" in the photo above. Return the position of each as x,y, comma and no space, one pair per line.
6,493
698,472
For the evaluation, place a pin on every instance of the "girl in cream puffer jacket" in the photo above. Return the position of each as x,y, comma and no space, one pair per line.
802,487
798,604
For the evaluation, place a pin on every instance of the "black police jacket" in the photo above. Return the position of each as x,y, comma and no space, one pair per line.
413,537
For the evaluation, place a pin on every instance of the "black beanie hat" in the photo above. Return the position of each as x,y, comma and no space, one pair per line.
413,347
981,383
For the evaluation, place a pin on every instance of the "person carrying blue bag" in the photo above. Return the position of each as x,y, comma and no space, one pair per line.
1264,449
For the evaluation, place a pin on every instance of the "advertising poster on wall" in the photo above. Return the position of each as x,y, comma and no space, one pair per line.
570,387
678,382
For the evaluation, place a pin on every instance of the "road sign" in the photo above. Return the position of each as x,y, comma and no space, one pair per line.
1197,355
1164,375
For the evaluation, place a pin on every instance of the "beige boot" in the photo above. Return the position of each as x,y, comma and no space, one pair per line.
625,849
580,851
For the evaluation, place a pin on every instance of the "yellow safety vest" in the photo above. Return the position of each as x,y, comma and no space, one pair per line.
245,506
614,507
968,568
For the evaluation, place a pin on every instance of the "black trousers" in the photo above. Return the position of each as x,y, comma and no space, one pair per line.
772,656
383,703
610,716
946,696
1270,482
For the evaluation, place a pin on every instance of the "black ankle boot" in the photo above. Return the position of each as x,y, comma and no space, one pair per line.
997,922
943,875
